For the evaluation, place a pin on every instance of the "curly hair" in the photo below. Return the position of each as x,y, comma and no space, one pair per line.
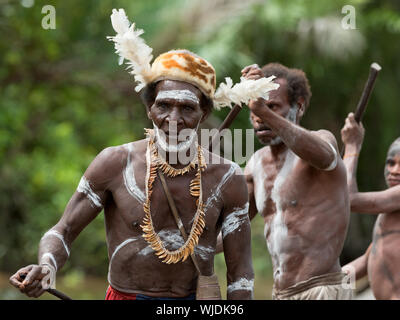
297,82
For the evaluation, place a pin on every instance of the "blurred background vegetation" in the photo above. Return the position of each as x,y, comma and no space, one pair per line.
63,98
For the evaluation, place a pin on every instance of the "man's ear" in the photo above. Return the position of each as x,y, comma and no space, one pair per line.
148,111
206,113
301,107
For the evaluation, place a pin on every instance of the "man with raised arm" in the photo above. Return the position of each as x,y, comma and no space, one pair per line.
297,182
381,260
149,255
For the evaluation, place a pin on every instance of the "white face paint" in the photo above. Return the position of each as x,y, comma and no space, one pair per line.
84,187
179,95
177,146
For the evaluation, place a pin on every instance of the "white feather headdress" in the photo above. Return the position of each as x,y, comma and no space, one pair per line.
130,46
243,92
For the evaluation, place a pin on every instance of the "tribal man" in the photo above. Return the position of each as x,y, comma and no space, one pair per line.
150,256
297,182
382,259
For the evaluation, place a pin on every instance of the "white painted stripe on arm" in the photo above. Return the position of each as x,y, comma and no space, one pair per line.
241,284
216,193
52,259
335,161
235,219
84,187
59,236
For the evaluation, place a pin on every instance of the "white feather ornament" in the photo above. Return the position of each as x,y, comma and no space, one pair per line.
130,46
243,92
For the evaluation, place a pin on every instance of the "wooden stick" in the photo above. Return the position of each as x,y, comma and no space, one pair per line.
53,292
225,124
369,85
362,103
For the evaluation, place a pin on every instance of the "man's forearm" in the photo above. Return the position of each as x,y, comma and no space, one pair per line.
53,249
305,144
350,160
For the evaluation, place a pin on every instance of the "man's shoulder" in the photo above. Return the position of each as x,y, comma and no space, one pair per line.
115,157
257,156
220,166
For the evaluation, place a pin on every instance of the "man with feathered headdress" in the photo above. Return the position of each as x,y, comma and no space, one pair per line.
154,251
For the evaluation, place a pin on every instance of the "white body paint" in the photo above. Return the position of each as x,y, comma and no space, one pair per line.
241,284
52,259
278,228
203,252
335,161
59,236
179,95
129,177
216,192
259,177
235,219
84,187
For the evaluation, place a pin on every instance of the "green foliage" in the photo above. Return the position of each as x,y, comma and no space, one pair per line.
64,98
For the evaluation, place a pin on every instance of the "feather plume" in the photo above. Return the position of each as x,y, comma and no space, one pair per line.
243,92
130,46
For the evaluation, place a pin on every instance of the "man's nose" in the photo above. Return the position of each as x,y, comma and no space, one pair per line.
395,170
257,119
174,116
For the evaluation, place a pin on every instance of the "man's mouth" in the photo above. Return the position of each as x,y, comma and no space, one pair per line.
263,131
394,181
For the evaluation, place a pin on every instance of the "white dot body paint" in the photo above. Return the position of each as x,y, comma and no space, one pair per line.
335,161
84,187
59,236
52,259
215,194
234,220
129,177
179,95
278,229
241,284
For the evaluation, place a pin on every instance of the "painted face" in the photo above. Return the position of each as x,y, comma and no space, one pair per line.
392,166
279,103
176,108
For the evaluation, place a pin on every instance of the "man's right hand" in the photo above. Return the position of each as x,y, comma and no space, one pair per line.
352,132
252,72
29,279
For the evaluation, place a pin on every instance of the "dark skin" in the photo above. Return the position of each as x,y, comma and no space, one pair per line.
381,260
305,206
134,268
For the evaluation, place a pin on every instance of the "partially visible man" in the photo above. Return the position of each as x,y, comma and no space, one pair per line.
381,260
297,182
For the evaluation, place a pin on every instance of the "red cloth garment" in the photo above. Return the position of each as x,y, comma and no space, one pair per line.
113,294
